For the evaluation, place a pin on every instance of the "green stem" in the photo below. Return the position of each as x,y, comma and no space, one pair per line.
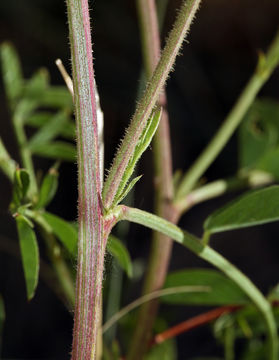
205,252
265,67
150,96
7,164
216,188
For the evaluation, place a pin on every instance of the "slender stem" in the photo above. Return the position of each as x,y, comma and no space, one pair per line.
208,254
265,67
194,322
216,188
149,297
91,243
161,245
7,164
150,96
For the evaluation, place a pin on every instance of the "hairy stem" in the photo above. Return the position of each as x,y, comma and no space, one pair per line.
91,242
161,245
266,65
150,96
208,254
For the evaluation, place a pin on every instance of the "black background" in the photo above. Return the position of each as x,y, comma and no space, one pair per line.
214,67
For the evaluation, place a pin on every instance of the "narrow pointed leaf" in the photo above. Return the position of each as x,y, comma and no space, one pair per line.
12,72
20,187
41,118
222,291
49,131
37,85
119,251
29,253
143,143
255,208
57,97
48,188
64,231
129,187
58,150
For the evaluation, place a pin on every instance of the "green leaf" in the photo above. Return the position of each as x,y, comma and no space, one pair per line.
269,162
29,253
259,132
48,188
20,188
12,72
37,85
129,187
64,231
119,251
164,351
222,291
143,143
49,131
253,208
39,119
57,97
58,150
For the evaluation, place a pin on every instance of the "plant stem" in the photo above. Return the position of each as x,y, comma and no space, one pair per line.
149,297
147,103
208,254
265,67
216,188
91,243
7,164
161,245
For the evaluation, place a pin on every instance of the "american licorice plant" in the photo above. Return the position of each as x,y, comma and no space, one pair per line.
243,312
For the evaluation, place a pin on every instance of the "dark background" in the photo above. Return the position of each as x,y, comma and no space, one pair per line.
215,64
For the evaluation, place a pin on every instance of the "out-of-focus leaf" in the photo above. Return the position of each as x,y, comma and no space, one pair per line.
20,187
48,188
12,72
222,291
49,131
65,231
29,253
58,150
57,97
39,119
259,132
253,208
37,85
269,162
119,251
164,351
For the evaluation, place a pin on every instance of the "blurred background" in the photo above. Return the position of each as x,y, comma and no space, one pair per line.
215,64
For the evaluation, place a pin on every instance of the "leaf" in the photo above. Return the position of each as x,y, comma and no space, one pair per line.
39,119
58,150
143,143
29,253
65,232
222,291
48,188
12,72
57,97
164,351
269,162
259,132
129,187
20,188
37,85
119,251
253,208
49,131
